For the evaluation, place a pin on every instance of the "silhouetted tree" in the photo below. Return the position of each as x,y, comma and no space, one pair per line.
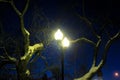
29,50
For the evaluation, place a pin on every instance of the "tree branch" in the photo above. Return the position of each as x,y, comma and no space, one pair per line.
89,74
26,35
2,57
31,50
8,57
26,7
96,52
88,22
83,39
37,56
14,7
24,31
20,15
107,46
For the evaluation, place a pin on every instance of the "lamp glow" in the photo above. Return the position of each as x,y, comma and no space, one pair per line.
116,74
58,35
65,42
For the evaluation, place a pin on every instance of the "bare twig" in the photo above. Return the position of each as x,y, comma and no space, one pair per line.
89,23
26,7
86,20
2,57
9,57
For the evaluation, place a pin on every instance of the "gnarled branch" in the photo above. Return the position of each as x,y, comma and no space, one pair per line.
106,49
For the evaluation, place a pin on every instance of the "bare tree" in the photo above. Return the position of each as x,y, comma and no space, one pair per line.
95,67
29,50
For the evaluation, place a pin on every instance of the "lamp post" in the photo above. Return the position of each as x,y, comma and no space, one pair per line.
65,43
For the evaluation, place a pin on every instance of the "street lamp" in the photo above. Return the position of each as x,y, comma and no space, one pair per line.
58,35
65,43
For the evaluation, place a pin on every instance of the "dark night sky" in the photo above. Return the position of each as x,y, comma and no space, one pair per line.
61,13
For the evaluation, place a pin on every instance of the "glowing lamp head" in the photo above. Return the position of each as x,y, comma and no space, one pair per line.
58,35
65,42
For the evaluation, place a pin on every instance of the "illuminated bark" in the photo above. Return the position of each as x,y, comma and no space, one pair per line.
21,64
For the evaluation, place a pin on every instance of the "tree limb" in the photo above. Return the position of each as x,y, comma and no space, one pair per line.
87,21
7,56
31,50
83,39
93,68
15,9
96,52
26,7
2,57
107,46
88,75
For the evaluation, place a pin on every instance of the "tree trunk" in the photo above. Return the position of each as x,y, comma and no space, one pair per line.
22,72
